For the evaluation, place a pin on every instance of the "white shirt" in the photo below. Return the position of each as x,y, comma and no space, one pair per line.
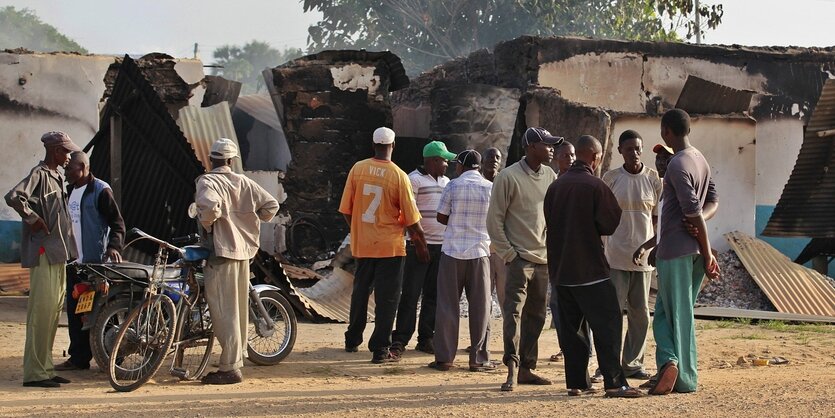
74,206
427,193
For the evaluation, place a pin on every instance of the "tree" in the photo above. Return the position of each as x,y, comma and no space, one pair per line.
24,29
245,63
425,33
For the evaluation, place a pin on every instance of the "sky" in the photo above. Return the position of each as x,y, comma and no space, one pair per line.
174,26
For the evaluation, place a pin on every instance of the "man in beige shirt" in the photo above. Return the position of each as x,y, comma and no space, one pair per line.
230,208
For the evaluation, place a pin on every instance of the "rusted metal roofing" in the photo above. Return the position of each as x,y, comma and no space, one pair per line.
202,126
791,287
158,163
331,296
705,97
807,205
219,89
13,279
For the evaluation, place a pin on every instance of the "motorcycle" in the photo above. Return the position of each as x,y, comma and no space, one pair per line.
108,292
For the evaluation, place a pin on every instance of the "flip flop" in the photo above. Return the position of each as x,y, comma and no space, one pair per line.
556,357
624,392
667,377
507,387
487,367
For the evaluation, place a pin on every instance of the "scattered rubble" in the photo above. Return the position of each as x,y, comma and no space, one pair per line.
735,289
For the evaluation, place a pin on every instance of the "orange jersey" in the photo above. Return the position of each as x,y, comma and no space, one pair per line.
378,196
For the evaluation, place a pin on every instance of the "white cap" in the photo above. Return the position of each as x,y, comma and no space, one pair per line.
224,148
383,136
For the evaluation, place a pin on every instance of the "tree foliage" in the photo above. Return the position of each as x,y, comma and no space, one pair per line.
24,29
428,32
245,63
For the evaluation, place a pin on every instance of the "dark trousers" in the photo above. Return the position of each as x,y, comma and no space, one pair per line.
523,312
383,276
598,306
418,279
554,305
79,350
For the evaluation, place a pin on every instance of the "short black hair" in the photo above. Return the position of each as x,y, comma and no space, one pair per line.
627,135
677,121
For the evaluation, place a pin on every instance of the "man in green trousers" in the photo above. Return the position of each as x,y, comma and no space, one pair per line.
45,247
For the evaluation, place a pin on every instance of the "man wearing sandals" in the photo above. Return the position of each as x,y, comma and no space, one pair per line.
516,226
682,260
464,264
580,209
230,207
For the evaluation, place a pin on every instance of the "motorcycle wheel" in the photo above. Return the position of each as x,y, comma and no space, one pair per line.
104,331
195,340
142,343
269,350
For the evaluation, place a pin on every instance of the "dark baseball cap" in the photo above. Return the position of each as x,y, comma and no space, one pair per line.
534,135
469,159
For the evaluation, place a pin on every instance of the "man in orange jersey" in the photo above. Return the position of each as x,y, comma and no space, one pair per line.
377,204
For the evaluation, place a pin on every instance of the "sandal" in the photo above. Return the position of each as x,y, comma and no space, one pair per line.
507,387
486,367
667,377
578,392
440,366
624,392
556,357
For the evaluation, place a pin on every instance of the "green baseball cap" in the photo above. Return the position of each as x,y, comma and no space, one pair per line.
437,149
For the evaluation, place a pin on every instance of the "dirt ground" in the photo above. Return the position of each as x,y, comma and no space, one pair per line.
320,379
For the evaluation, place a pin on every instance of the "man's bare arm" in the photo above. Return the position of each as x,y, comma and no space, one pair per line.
347,219
711,266
419,241
442,219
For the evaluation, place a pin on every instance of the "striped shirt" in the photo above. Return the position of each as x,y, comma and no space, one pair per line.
465,200
427,192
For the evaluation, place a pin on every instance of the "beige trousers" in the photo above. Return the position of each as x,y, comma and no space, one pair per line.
227,287
47,290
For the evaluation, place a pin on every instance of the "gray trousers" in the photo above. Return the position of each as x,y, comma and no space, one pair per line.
523,311
454,277
632,288
227,294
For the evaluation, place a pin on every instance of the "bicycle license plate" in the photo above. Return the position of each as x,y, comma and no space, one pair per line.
85,302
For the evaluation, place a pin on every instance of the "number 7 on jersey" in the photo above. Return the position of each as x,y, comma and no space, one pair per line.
370,214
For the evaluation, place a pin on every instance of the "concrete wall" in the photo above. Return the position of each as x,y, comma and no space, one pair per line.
729,146
45,92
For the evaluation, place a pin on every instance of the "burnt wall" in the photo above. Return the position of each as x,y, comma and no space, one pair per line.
333,102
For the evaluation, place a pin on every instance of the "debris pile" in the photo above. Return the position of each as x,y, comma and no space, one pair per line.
735,289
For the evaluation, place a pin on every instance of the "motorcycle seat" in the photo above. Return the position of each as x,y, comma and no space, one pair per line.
139,271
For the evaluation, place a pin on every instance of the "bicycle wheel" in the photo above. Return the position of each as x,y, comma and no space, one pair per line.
142,343
267,347
194,342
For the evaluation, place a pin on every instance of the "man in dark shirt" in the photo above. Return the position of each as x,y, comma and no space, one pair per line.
579,209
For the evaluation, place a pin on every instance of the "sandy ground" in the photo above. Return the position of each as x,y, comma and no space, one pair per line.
319,378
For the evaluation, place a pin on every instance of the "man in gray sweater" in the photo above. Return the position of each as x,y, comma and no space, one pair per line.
516,225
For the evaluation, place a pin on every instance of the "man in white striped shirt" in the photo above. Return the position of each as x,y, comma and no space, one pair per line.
464,265
428,183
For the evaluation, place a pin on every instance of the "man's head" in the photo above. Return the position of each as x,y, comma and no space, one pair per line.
467,160
383,139
58,147
435,157
589,151
675,125
491,163
78,167
539,145
565,156
630,146
222,153
663,154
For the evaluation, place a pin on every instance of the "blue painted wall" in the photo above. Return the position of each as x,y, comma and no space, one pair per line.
10,241
791,247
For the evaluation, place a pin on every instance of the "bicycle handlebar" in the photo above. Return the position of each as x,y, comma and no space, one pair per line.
141,234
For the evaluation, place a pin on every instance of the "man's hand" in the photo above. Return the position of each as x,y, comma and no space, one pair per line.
638,255
712,267
422,253
651,257
113,255
39,225
419,241
691,229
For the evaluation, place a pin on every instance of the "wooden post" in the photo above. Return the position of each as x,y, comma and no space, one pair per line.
116,157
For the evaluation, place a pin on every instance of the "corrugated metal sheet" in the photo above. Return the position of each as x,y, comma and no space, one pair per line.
705,97
219,89
807,205
202,126
260,107
13,279
331,296
715,312
791,287
158,163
